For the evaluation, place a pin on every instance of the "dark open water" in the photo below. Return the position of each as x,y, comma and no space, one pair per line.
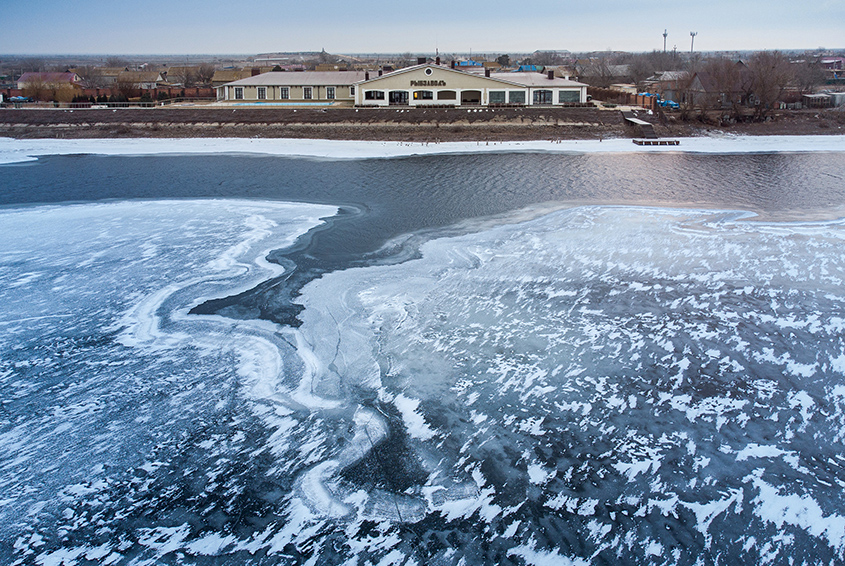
384,198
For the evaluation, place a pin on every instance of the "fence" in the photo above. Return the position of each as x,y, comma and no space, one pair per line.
649,102
163,93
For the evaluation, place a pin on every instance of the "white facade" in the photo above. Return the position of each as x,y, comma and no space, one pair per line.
307,87
435,85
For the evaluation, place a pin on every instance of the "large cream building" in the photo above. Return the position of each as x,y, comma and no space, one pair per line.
435,85
421,85
317,88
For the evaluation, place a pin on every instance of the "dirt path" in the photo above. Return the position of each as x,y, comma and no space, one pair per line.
391,124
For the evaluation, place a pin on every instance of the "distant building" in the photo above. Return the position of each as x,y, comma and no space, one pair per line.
306,87
434,85
146,80
224,76
708,90
60,87
59,80
420,85
670,85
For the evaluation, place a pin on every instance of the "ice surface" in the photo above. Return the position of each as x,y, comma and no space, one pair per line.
656,380
14,150
101,369
599,384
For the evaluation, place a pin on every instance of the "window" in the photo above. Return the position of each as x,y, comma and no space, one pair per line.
352,90
516,97
423,95
284,93
373,95
497,97
262,93
542,97
569,96
447,95
330,92
306,93
239,93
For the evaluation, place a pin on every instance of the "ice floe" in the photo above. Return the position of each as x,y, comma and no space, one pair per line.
14,150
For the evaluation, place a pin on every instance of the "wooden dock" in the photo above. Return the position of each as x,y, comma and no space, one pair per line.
657,142
645,128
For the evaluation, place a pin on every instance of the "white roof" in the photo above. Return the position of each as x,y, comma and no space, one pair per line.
435,66
302,78
517,79
536,80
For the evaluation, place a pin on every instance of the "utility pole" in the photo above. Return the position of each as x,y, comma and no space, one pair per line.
692,34
664,40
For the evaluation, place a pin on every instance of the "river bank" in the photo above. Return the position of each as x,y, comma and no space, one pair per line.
431,125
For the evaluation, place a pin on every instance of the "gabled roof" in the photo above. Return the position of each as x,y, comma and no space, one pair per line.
536,80
140,77
304,78
710,83
229,75
441,68
48,77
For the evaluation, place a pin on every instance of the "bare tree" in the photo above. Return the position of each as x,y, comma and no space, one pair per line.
547,58
724,79
205,72
770,74
33,65
36,88
596,71
808,75
116,62
126,87
641,67
405,60
91,76
185,76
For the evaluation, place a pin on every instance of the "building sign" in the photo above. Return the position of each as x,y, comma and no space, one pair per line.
428,83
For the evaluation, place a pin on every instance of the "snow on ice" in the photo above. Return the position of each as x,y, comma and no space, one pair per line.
600,383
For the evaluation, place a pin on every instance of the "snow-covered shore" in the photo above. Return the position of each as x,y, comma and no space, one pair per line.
16,150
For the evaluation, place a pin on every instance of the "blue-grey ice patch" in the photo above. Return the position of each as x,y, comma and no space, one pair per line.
655,384
600,384
102,370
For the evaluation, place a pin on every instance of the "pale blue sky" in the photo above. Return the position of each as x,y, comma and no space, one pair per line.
363,26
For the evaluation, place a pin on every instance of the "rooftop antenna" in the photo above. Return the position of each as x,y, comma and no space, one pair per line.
664,40
692,35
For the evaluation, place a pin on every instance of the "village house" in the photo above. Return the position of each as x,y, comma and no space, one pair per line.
145,80
712,91
60,87
60,80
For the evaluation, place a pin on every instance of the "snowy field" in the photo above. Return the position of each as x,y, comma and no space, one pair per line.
13,150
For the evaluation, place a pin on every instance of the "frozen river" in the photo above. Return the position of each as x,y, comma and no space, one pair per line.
512,358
